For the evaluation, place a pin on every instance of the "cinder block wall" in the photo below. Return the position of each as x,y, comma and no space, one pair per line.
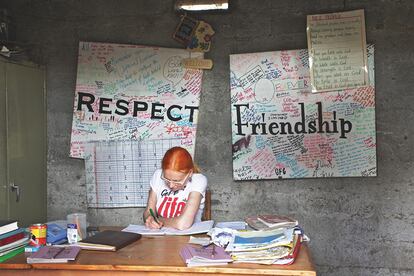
357,226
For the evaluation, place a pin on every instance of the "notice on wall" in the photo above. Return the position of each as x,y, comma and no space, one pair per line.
337,50
133,92
280,129
118,173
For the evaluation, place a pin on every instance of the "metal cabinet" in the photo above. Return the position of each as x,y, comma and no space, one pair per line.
23,142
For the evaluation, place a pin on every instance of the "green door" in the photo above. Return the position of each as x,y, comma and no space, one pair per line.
26,143
3,144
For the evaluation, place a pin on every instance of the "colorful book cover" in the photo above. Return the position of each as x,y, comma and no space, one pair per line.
11,239
7,226
11,254
53,254
9,234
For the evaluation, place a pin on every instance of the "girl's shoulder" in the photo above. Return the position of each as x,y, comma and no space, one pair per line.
199,177
157,172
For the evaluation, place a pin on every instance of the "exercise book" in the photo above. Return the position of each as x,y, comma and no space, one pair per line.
197,228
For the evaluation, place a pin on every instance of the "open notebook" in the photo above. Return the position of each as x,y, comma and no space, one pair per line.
197,228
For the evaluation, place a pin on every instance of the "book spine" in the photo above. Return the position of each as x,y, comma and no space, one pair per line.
11,239
8,234
11,254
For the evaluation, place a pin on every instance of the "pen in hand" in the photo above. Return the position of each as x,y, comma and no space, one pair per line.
153,216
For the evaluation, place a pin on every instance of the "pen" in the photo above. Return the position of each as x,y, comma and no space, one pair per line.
153,215
214,251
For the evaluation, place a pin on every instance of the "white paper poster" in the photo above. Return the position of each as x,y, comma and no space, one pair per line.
132,92
282,130
118,173
337,50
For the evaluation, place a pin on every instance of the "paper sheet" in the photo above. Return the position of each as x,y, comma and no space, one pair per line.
197,228
118,173
337,54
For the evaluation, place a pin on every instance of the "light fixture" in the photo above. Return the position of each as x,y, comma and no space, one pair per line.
201,5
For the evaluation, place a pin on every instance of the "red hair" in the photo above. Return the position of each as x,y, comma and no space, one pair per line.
178,159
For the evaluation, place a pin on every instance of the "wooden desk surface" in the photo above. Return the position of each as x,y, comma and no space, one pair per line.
158,255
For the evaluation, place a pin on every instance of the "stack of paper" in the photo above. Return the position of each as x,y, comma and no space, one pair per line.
194,255
265,255
259,240
275,246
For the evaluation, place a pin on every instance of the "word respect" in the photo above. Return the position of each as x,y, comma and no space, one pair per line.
122,107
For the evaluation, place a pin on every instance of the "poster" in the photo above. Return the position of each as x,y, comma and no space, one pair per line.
118,173
336,44
280,129
133,92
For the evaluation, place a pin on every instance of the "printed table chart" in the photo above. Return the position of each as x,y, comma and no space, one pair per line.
118,174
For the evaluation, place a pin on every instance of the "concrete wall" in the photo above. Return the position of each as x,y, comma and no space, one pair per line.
357,226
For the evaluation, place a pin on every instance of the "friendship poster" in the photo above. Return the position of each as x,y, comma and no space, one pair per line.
280,129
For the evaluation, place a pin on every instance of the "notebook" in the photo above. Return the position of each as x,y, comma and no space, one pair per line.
7,226
51,254
109,240
194,255
197,228
273,220
55,233
11,253
21,242
9,234
12,238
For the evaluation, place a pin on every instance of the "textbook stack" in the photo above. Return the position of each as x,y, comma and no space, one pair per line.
12,239
276,242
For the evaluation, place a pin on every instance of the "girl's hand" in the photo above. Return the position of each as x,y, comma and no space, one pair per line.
152,224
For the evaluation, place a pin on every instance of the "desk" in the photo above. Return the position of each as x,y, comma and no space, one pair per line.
157,255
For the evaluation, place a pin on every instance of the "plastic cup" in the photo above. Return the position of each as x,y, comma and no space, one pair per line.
80,220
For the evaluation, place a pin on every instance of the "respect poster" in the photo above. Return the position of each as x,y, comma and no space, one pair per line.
133,92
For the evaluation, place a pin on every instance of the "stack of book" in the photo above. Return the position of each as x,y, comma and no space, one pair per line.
12,239
195,255
277,241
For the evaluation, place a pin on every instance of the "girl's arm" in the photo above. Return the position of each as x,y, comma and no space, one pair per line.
148,219
186,219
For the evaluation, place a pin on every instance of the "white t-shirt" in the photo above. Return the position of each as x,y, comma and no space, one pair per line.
171,204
